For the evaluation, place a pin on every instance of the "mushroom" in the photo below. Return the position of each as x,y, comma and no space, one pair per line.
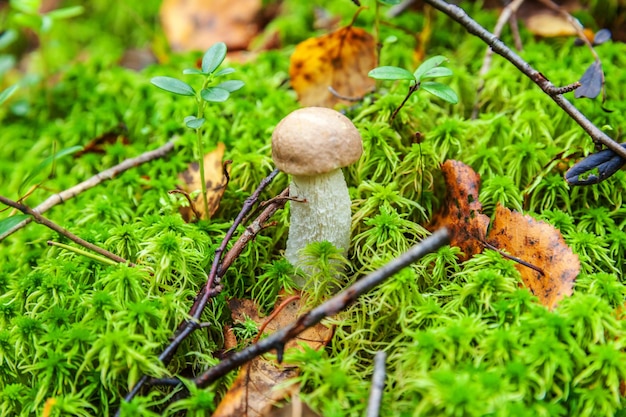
313,144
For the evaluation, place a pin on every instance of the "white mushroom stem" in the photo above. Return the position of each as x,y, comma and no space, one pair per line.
324,216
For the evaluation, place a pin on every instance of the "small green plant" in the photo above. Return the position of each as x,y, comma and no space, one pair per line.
211,91
429,69
27,14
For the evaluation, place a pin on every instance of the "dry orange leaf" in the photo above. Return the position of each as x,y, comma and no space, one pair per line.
461,212
531,241
541,245
254,391
198,24
340,60
215,184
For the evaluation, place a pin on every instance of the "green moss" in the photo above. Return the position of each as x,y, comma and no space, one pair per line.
463,338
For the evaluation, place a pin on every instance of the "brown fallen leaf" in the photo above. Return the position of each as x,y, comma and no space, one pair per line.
551,266
547,22
461,212
254,391
541,245
198,24
215,183
340,60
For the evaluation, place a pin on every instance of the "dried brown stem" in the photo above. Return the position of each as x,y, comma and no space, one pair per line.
100,177
218,269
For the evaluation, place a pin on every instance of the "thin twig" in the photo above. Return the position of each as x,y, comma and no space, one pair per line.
459,15
209,290
105,175
505,16
276,341
378,384
514,258
38,218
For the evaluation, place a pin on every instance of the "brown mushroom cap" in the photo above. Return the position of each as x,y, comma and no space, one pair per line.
315,140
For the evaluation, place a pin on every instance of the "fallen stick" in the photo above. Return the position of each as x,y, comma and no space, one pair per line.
100,177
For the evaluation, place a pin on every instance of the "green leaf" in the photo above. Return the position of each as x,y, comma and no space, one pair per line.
193,71
8,223
390,73
5,94
214,94
7,38
427,65
26,6
28,20
66,12
437,73
231,85
213,57
173,85
224,71
390,2
7,62
442,91
193,122
43,164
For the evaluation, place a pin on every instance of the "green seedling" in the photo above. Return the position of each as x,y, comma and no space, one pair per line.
429,69
211,91
26,14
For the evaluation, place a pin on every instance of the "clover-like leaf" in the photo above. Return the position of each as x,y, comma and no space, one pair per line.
214,94
390,73
437,72
193,122
428,65
224,71
442,91
213,57
26,6
192,71
66,12
231,85
173,85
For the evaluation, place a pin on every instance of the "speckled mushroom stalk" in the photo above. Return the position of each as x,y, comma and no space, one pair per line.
313,144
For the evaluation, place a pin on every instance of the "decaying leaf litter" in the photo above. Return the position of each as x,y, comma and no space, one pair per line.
509,232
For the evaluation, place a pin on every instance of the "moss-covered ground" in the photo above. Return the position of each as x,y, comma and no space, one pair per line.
463,339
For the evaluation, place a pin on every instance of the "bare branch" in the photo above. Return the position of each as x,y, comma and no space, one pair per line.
507,13
329,308
51,225
459,15
218,269
105,175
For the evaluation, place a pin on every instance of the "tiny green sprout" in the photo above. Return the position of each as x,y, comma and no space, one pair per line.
211,91
429,69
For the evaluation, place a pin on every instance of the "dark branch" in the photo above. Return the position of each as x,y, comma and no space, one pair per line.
459,15
339,302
